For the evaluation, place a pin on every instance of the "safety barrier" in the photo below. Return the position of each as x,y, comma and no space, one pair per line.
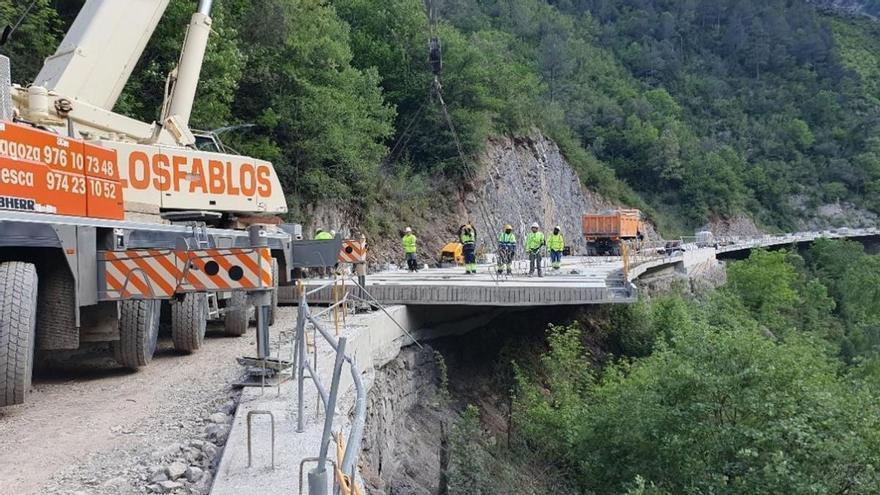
317,477
639,253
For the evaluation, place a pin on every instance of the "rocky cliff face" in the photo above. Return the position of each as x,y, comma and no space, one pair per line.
521,180
527,180
401,446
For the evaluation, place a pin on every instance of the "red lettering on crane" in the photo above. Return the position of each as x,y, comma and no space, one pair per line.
139,170
197,176
248,179
215,177
167,172
265,185
177,173
230,184
161,169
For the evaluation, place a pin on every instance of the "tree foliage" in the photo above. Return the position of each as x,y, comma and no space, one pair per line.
703,108
706,400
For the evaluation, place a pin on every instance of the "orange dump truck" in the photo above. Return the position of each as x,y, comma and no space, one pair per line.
605,231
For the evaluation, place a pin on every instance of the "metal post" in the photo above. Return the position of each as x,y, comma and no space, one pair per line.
301,359
262,313
318,482
318,476
262,298
357,426
331,403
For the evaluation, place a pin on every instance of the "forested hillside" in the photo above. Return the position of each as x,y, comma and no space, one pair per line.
693,110
766,385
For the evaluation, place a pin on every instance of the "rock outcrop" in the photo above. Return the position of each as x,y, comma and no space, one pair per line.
527,180
520,181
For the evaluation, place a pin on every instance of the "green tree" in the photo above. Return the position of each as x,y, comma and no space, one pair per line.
729,412
765,285
326,119
35,39
547,410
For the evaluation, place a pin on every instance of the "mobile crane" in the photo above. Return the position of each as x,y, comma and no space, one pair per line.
103,217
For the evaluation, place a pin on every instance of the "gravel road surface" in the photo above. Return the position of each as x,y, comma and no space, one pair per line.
91,428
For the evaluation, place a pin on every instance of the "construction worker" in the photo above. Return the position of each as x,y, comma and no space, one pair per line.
556,243
506,249
323,235
468,237
409,250
534,242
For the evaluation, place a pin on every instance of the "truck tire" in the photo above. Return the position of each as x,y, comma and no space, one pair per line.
273,308
189,320
18,317
56,305
236,318
138,333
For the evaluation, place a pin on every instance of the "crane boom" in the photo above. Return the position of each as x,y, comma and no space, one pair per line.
100,50
160,167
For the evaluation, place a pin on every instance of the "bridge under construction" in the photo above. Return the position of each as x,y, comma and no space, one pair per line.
334,369
581,279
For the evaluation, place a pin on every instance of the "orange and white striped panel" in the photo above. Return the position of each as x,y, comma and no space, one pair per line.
225,269
150,274
352,252
159,274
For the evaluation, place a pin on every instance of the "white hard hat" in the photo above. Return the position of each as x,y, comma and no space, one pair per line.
558,227
333,232
407,230
535,225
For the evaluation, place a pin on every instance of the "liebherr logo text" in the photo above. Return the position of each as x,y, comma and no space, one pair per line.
11,203
195,175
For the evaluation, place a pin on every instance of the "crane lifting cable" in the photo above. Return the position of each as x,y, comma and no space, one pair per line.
435,94
435,60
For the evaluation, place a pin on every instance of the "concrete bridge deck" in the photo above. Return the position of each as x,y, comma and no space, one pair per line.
581,280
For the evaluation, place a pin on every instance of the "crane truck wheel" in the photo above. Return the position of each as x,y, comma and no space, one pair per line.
138,332
236,318
18,317
273,308
189,320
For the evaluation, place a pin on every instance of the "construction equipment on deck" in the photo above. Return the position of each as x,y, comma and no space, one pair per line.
451,254
605,232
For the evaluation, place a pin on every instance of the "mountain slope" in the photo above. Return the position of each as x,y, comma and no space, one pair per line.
869,8
694,111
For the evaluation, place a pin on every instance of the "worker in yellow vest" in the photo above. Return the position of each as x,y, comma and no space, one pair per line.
556,243
468,238
409,250
534,243
506,249
323,235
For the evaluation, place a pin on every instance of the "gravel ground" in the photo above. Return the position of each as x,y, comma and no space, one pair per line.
91,428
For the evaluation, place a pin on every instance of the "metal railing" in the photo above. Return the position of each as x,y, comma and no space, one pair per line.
637,253
317,478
